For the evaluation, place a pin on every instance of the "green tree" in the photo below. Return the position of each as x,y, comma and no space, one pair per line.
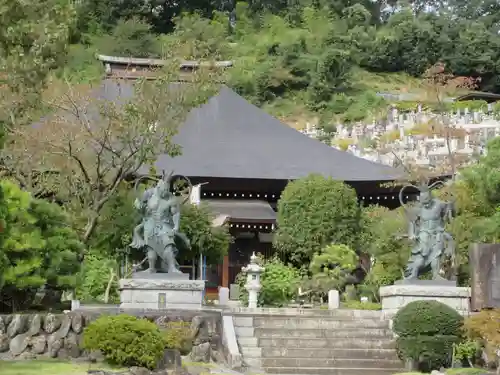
40,249
196,38
477,200
33,40
314,212
381,240
98,279
110,245
330,269
115,225
3,231
280,282
130,38
212,242
90,167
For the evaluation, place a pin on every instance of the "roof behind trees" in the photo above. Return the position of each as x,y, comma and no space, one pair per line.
229,137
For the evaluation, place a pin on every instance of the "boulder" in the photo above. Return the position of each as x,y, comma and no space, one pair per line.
71,345
7,319
38,344
53,346
171,360
77,323
63,330
52,323
4,342
139,371
19,343
201,353
17,325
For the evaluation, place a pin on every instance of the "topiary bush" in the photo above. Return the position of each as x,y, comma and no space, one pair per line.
427,331
125,340
314,212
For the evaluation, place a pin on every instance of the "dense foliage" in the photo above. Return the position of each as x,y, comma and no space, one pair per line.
125,340
178,336
427,331
33,41
314,212
98,279
304,62
329,270
279,282
380,239
307,59
212,242
483,328
109,247
39,250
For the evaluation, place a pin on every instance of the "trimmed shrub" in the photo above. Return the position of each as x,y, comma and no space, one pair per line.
428,318
427,331
125,340
430,352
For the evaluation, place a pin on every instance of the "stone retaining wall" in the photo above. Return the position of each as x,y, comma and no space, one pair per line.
52,335
27,336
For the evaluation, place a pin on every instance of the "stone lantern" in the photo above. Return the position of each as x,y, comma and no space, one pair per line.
253,271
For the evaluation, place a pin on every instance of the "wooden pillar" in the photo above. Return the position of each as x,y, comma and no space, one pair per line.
225,271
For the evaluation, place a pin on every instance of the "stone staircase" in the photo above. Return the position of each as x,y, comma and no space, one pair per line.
317,342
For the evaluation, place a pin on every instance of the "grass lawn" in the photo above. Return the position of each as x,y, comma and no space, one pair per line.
47,367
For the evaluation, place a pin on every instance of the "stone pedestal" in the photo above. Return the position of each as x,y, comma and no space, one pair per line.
395,297
161,291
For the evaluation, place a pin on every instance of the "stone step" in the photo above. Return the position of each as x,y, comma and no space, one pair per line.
243,321
330,371
317,313
251,352
312,323
331,362
324,333
384,354
244,332
248,342
353,343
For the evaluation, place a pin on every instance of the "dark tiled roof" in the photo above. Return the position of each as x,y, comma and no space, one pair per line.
230,137
242,210
476,95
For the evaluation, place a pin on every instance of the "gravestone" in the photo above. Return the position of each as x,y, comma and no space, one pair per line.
484,260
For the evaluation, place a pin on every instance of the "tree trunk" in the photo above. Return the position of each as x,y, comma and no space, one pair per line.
110,283
89,228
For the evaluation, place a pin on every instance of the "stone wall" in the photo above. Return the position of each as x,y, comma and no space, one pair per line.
26,336
52,335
